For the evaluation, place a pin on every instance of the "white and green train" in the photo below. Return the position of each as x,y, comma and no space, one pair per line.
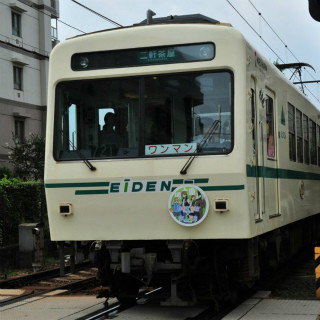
182,150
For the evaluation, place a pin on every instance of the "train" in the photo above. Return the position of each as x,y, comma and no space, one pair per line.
184,155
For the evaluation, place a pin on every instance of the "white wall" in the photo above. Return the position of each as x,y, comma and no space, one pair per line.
31,53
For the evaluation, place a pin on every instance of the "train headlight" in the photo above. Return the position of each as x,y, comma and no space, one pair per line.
83,62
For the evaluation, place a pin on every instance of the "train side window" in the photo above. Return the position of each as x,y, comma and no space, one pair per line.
306,139
253,114
292,132
318,144
270,128
67,128
73,128
299,136
312,135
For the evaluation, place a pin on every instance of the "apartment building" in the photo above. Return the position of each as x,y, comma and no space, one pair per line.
27,36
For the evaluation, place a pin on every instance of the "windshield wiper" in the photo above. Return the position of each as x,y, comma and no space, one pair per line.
215,125
82,157
86,161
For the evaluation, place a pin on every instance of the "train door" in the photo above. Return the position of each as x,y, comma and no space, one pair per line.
255,151
263,119
270,157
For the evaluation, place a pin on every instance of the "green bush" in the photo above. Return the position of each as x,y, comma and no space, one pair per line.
20,202
6,173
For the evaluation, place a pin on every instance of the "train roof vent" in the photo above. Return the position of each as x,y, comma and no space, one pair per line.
189,18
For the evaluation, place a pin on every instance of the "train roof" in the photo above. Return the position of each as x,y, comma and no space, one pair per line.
189,18
176,19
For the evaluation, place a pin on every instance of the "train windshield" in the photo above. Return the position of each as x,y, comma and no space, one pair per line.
145,116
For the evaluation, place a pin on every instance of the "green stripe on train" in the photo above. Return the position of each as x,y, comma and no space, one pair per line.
275,173
223,188
86,192
190,181
219,188
77,185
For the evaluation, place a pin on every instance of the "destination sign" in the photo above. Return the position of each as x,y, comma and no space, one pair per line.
154,56
176,54
142,56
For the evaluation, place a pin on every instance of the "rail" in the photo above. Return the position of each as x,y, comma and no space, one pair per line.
119,307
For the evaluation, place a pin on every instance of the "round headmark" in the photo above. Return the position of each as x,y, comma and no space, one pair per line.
188,205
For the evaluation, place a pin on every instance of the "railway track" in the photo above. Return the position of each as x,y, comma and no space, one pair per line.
149,299
48,281
294,272
120,307
293,280
18,282
202,312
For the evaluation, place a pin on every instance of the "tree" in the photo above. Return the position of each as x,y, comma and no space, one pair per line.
27,157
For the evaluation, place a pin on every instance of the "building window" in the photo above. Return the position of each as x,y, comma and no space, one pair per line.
17,78
292,132
16,24
19,130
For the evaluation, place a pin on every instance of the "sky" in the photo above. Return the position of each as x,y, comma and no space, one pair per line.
284,31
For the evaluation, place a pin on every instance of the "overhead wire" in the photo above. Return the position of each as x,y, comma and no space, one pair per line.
277,35
265,42
254,30
286,46
98,14
71,26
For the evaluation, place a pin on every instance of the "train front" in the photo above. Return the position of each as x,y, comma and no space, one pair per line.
145,152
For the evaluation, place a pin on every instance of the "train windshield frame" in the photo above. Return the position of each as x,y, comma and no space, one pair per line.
145,116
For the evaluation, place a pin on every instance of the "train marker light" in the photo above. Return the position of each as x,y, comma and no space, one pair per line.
221,205
65,209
